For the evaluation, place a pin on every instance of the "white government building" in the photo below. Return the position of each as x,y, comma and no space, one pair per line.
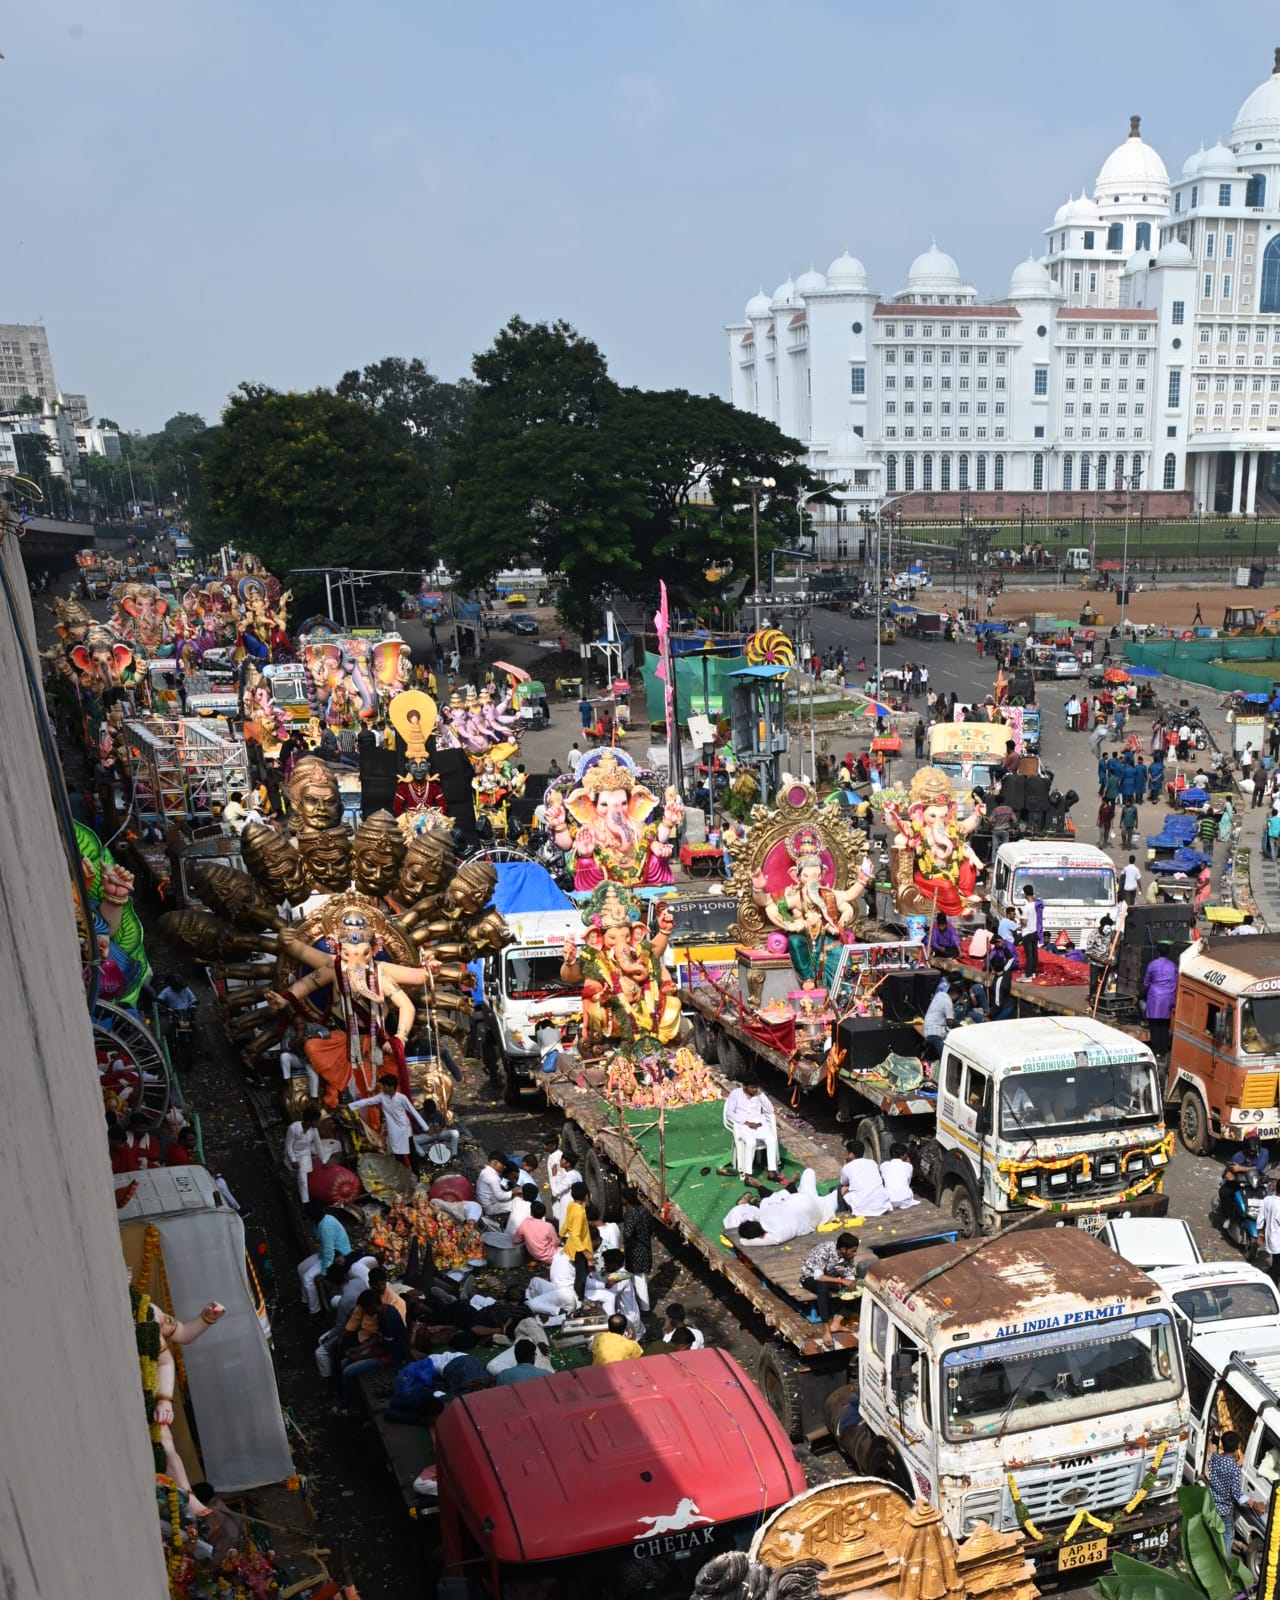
1137,362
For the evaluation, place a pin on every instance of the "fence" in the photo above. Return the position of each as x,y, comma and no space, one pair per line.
1202,660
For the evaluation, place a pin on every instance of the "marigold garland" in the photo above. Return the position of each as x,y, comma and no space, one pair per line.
1052,1542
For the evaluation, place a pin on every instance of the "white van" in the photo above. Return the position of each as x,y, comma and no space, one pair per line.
1077,560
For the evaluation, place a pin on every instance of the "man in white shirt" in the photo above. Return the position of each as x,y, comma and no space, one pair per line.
304,1149
676,1318
521,1206
492,1191
399,1114
787,1214
939,1018
862,1188
1029,924
1269,1229
1130,879
896,1174
553,1295
751,1117
746,1208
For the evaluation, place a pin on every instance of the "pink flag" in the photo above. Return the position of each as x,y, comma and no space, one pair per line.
662,622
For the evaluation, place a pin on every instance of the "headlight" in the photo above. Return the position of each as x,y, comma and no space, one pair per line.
1108,1169
1029,1180
1136,1164
982,1506
1159,1159
1059,1180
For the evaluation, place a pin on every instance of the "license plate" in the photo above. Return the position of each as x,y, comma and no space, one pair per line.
1090,1553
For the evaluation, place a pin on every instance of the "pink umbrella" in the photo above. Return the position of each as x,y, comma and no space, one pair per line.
518,673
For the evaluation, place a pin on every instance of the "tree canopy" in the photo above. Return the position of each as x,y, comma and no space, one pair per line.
311,480
408,395
612,488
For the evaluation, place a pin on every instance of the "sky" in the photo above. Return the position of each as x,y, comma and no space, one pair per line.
205,192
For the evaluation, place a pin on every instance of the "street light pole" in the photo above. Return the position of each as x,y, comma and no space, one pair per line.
753,489
1124,556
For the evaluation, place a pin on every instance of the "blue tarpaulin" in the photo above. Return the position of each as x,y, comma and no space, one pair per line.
525,886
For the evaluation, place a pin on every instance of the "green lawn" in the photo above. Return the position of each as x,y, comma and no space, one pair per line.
1182,541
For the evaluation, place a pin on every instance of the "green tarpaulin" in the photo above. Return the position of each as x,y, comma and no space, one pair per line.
690,685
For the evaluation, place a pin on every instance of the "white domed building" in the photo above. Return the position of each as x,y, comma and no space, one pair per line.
1130,364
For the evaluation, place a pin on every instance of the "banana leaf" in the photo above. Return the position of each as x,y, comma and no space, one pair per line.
1219,1576
1138,1580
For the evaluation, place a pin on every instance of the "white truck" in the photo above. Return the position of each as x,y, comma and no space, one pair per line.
1036,1381
1233,1380
1061,1115
521,988
1077,883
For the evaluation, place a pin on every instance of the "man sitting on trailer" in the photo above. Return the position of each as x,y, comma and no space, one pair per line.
750,1117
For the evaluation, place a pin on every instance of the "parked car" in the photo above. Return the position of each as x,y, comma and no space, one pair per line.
522,622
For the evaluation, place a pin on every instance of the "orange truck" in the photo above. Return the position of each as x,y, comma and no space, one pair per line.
1224,1060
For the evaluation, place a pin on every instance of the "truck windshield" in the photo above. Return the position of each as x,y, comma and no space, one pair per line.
1077,1099
1260,1026
1085,886
1225,1302
703,921
531,975
662,1567
1064,1375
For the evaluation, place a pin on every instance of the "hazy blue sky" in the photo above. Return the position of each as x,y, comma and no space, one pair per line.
204,191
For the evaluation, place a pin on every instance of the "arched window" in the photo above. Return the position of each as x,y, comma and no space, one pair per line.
1142,236
1115,236
1086,468
1269,299
963,464
1255,191
1170,470
1102,472
1037,472
944,472
1135,472
908,473
1066,472
982,472
926,472
890,473
997,472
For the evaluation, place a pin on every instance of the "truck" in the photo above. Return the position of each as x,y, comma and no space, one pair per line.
1224,1055
1036,1381
1076,882
665,1463
521,986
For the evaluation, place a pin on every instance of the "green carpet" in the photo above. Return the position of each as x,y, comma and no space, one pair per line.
697,1142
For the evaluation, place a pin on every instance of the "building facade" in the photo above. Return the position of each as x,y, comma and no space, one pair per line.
1129,367
26,367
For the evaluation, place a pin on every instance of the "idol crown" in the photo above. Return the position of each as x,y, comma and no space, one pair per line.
608,773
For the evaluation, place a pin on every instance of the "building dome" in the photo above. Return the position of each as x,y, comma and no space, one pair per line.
1082,210
1218,162
758,306
1174,254
1191,166
1132,168
783,296
933,272
1060,215
846,272
1258,120
1030,281
810,282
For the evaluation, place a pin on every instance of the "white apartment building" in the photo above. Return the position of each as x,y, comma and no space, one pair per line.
1131,365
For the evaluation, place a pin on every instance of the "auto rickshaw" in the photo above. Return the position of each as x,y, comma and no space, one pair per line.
888,633
530,697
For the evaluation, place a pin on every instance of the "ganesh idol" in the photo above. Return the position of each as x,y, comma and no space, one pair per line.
628,997
612,825
934,866
811,909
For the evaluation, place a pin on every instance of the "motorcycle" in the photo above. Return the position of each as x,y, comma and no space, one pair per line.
1239,1205
180,1034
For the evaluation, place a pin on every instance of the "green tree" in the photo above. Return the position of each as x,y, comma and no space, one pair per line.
181,427
25,405
614,489
310,480
408,395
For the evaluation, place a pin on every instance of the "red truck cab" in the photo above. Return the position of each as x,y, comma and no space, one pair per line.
618,1480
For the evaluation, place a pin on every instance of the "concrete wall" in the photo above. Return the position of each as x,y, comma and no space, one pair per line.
77,1506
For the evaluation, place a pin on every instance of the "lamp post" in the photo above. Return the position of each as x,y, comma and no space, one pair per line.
880,510
802,501
753,488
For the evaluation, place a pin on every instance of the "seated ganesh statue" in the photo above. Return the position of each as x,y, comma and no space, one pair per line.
934,867
614,826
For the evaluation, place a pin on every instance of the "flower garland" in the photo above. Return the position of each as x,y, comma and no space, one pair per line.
1007,1170
1082,1516
146,1335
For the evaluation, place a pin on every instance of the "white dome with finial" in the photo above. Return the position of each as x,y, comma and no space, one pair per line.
1030,281
1060,215
933,271
1175,254
1191,166
1219,162
846,272
757,306
784,296
1082,210
811,282
1132,168
1258,119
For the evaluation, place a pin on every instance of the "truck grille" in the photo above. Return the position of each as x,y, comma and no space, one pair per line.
1054,1498
1259,1090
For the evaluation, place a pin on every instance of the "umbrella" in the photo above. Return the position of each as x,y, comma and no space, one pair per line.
873,710
1115,675
518,673
1144,672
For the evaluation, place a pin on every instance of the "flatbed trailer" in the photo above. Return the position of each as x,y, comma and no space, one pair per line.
798,1368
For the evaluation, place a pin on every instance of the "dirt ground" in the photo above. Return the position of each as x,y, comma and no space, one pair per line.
1165,606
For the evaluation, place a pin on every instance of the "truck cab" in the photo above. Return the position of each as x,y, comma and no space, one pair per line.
1224,1058
1233,1380
1077,883
622,1479
522,987
1060,1115
1037,1383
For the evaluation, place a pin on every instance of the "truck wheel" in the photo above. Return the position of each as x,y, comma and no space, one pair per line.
869,1134
604,1188
1193,1125
491,1056
883,1461
701,1035
778,1375
729,1056
573,1144
964,1212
